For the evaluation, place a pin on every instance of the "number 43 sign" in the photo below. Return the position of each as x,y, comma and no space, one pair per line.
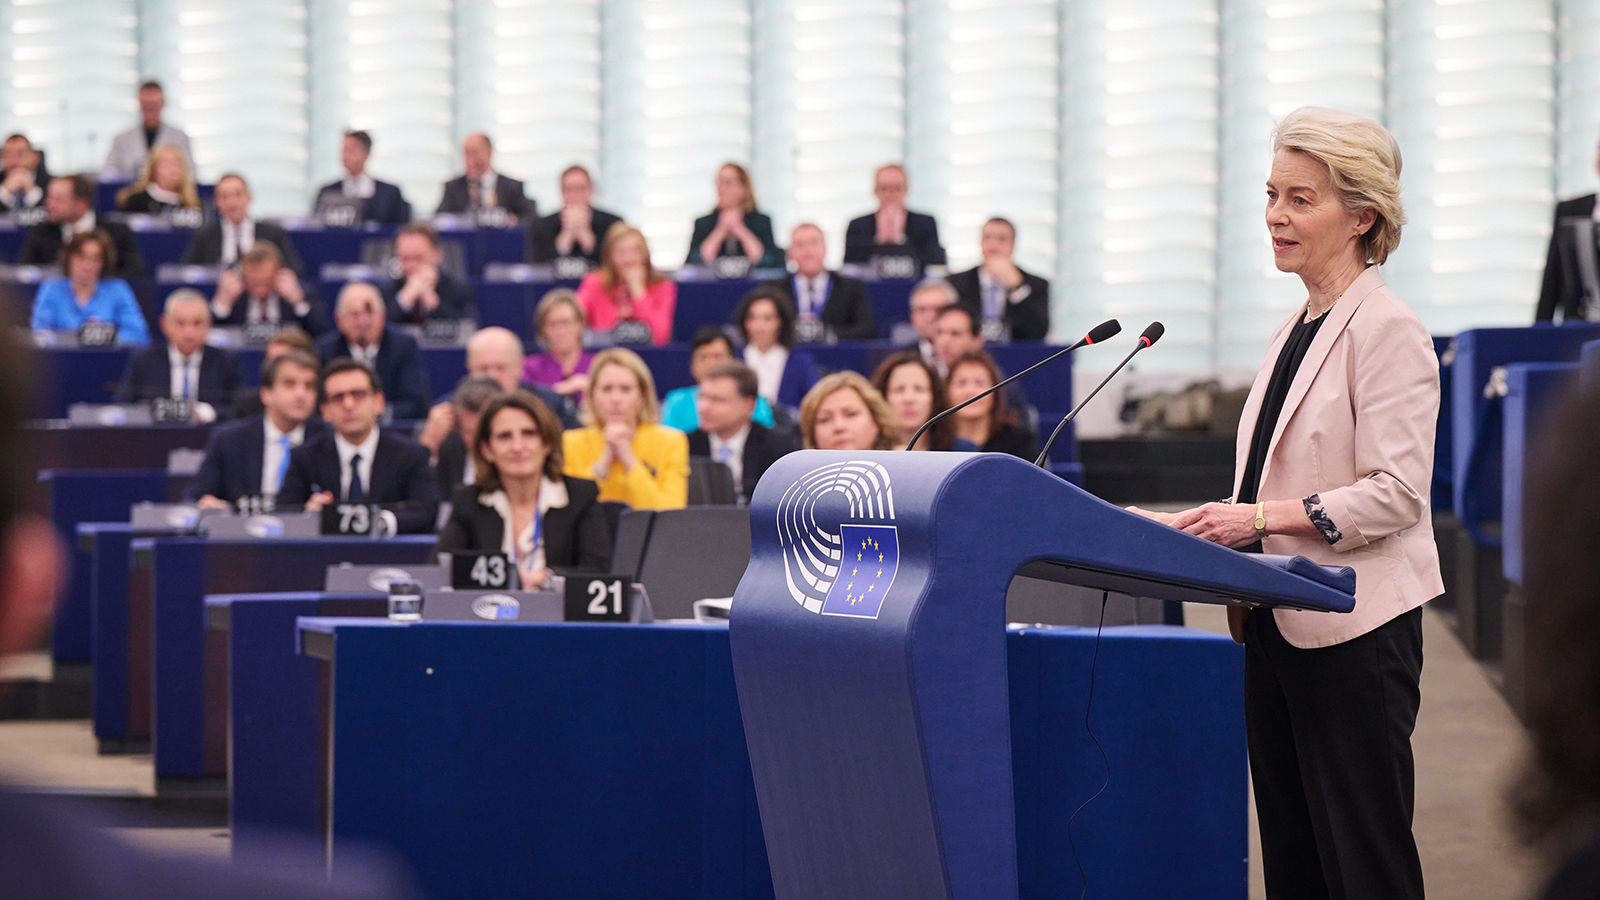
599,598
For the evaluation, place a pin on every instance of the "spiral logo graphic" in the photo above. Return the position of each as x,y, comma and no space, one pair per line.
839,568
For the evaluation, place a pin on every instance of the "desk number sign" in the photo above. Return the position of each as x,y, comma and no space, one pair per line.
347,519
599,598
95,333
483,571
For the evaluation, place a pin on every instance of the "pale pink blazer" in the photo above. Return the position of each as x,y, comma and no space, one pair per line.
1357,431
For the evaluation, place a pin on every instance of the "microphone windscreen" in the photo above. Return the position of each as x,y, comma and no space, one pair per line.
1153,333
1110,328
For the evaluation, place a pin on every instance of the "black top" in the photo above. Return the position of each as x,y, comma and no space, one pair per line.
1283,372
1016,440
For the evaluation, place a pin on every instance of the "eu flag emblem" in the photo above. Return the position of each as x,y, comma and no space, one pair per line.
866,570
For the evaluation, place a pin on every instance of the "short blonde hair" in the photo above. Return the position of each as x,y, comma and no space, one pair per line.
547,304
627,359
1363,160
844,379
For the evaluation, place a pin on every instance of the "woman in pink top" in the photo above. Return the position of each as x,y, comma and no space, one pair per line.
627,287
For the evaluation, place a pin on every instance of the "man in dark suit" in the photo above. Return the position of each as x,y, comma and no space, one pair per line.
893,230
424,290
360,462
1570,283
727,435
455,465
263,290
482,188
226,239
372,200
363,335
250,457
1006,299
838,303
183,367
70,202
957,333
22,180
578,230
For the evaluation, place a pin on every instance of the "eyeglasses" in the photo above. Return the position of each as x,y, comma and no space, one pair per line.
355,396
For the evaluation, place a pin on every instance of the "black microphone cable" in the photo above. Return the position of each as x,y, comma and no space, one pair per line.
1094,661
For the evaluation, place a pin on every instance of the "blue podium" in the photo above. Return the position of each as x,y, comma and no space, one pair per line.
869,653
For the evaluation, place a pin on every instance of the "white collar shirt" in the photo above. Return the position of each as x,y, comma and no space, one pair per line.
185,370
811,294
273,458
162,195
367,354
768,367
347,451
237,240
528,553
359,187
86,223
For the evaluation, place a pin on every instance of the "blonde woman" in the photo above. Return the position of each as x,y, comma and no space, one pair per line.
627,287
558,323
165,185
634,459
844,411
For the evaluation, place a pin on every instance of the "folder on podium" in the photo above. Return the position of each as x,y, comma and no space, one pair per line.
868,641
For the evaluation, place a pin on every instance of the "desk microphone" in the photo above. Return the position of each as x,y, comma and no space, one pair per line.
1150,336
1104,331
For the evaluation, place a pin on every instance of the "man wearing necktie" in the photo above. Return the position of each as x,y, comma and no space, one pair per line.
839,303
360,462
1007,300
231,233
424,289
481,188
183,367
725,404
250,458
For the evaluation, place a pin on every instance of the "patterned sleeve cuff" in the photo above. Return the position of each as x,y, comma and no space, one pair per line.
1319,517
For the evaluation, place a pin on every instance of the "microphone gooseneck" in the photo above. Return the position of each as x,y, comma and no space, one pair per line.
1101,332
1151,334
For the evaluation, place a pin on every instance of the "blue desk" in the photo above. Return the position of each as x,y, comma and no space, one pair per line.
189,682
89,496
609,761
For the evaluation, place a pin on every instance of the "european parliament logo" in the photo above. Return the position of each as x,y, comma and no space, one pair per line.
839,558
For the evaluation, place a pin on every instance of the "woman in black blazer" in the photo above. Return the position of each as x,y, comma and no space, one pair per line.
734,228
555,519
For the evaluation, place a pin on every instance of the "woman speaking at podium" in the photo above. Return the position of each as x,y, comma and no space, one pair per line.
1335,464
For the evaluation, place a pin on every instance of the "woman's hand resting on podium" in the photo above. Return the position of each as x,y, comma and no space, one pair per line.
1234,524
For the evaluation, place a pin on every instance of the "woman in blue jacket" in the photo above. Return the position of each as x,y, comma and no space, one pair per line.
86,293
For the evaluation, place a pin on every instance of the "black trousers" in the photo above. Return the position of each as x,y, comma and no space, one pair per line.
1330,754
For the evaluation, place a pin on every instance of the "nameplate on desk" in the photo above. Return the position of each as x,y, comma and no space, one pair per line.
995,331
27,218
570,268
731,267
258,334
184,217
348,519
483,571
442,331
172,411
893,266
163,517
95,333
810,330
599,598
630,333
275,525
340,214
493,217
255,504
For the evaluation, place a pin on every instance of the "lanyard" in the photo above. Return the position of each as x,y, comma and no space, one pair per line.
516,545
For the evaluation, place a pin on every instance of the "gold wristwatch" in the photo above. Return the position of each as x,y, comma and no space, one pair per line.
1261,519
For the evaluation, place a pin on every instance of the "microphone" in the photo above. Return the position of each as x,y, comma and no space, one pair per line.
1150,336
1104,331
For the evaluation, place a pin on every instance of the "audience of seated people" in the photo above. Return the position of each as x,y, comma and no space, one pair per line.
627,287
362,334
182,366
839,304
634,459
454,463
165,185
248,401
709,348
928,297
88,292
361,462
915,394
481,188
249,458
893,230
263,291
577,230
992,424
956,334
734,228
845,412
69,200
423,290
766,323
226,238
370,199
727,433
22,175
558,325
1009,301
130,149
522,503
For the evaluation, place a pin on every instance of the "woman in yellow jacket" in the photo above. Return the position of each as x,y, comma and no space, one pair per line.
634,460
